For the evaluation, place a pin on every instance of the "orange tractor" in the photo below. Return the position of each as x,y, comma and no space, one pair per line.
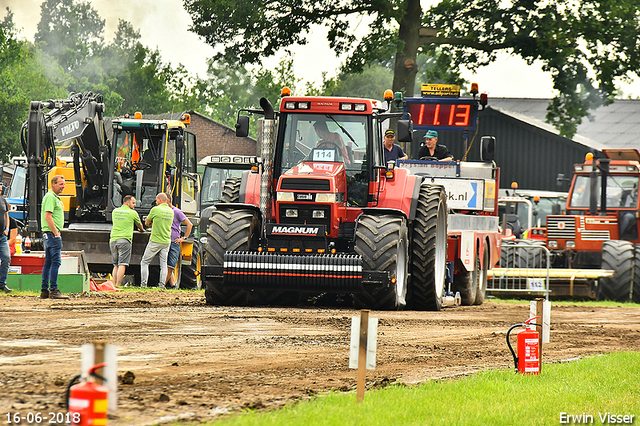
600,228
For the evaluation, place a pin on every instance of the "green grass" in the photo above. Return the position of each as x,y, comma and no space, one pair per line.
608,383
125,289
603,303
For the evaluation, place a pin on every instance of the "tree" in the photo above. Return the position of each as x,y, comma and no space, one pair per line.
70,32
23,79
586,45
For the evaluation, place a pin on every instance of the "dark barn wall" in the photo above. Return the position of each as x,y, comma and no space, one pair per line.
526,154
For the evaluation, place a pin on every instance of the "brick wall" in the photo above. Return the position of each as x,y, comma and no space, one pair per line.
216,138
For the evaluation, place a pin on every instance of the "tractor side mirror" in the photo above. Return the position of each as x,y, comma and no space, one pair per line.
488,148
405,131
242,126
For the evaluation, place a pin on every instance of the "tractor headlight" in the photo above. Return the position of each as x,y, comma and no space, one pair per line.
318,214
286,196
571,244
553,244
325,198
291,212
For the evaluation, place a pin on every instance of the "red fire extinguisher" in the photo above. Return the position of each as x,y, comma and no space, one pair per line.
87,401
527,361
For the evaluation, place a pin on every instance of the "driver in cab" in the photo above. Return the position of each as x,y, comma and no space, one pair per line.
330,140
430,148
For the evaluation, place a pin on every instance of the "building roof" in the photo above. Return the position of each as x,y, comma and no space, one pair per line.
615,126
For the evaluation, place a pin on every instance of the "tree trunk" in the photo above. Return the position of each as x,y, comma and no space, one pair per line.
405,69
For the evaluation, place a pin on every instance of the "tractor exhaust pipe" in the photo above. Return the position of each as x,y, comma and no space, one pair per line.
266,139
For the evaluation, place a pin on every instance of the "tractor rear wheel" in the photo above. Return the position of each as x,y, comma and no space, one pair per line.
466,283
429,249
382,241
228,230
620,256
191,277
231,190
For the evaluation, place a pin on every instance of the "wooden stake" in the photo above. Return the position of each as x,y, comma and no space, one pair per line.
362,353
99,358
539,313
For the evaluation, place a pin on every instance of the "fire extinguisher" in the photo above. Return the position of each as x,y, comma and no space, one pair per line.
87,401
527,361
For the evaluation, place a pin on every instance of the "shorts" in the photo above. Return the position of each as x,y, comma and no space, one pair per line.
174,255
120,252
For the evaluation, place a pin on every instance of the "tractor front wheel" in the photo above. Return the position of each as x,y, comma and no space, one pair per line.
382,241
228,230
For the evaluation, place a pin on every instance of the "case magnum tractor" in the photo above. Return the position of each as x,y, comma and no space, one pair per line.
146,157
324,214
600,228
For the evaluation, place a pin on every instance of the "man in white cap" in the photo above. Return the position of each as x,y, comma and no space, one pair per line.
431,148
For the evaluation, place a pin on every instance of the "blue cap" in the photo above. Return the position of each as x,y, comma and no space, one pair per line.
431,134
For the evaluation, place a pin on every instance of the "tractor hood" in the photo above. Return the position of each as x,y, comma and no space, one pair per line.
314,176
316,168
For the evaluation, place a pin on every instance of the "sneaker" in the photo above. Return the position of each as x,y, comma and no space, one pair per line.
44,294
55,294
5,289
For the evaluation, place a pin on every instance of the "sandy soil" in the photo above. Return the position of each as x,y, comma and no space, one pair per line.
195,361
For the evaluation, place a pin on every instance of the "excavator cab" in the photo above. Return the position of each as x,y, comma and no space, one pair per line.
153,156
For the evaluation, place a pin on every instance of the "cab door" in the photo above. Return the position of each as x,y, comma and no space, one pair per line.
190,186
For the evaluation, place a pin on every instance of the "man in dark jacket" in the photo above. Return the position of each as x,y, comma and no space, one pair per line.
431,148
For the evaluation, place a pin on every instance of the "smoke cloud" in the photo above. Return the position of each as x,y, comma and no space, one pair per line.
163,24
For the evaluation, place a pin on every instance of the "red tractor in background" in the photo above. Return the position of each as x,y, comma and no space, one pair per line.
600,228
324,214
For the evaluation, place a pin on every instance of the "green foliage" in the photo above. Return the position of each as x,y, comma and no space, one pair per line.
70,55
586,45
23,79
69,32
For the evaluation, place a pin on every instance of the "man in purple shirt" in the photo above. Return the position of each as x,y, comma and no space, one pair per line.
179,218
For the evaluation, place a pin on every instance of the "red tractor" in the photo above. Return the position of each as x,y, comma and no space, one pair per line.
600,228
324,214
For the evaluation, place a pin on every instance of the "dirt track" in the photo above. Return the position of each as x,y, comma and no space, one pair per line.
195,361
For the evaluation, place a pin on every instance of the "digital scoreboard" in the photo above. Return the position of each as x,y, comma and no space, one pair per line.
442,113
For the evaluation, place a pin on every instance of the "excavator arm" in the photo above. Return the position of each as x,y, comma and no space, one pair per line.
76,123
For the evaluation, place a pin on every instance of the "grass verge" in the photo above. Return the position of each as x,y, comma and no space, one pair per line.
586,387
596,303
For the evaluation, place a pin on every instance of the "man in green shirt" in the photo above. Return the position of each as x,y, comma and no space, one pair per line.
124,218
160,219
52,220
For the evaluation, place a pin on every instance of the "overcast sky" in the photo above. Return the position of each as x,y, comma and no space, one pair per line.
164,24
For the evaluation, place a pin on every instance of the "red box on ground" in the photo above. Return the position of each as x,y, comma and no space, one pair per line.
30,263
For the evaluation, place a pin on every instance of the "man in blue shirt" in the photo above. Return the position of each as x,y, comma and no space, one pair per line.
392,152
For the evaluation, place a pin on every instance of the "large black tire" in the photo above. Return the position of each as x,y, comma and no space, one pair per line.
620,257
635,294
466,283
482,276
527,254
191,274
383,243
231,190
229,230
429,249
